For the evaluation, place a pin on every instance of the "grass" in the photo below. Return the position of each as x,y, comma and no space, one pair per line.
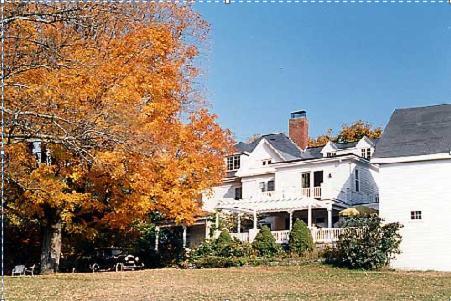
307,282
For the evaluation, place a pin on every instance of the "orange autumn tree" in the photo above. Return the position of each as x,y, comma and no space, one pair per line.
348,133
103,96
357,130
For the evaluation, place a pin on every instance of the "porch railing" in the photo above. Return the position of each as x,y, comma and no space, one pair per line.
314,192
319,235
281,236
326,235
244,236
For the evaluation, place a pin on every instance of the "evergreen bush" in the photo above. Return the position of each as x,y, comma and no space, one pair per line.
301,239
265,244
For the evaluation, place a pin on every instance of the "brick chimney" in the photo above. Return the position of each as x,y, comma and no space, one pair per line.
298,129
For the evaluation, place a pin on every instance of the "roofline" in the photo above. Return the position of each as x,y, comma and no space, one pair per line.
416,158
237,153
321,159
421,107
272,147
350,156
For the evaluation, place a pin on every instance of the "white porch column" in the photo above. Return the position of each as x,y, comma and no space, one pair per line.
329,217
291,220
309,220
184,237
157,237
207,229
238,230
255,219
253,232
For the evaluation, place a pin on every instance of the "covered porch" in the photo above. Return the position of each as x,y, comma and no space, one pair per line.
279,215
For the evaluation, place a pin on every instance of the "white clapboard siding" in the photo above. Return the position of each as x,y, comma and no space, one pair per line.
425,187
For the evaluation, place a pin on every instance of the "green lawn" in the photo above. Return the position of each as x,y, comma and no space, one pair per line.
308,282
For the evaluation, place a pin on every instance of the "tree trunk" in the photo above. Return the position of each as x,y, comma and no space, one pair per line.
51,245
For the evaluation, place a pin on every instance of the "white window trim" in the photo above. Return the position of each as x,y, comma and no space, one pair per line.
235,159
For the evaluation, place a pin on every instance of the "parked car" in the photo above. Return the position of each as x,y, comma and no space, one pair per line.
113,259
101,259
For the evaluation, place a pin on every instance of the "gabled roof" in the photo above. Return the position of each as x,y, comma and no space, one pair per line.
279,141
288,149
415,132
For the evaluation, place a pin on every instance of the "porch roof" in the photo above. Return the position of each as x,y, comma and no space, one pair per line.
272,205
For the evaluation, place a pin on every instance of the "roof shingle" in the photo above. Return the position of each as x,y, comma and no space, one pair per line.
416,131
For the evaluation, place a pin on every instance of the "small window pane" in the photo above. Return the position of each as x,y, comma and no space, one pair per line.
415,215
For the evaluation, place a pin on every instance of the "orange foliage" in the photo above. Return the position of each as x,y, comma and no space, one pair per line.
348,133
109,89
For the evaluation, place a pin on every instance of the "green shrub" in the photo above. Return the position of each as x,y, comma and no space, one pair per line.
206,248
265,243
301,239
218,262
366,244
224,238
224,246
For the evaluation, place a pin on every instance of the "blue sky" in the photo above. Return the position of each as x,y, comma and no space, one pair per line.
339,62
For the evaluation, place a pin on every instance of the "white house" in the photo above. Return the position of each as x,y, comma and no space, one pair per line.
277,179
414,158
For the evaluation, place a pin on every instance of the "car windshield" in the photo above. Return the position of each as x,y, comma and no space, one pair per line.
116,252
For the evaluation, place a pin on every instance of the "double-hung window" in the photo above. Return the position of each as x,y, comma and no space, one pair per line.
233,163
366,153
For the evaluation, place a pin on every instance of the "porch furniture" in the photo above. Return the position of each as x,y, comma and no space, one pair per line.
30,270
19,270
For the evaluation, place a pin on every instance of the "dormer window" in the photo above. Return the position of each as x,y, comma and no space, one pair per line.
366,153
331,154
266,162
233,163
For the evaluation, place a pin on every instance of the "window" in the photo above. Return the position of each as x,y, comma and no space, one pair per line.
330,155
318,178
262,186
415,214
305,180
233,163
238,193
41,152
271,185
366,153
266,162
357,180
